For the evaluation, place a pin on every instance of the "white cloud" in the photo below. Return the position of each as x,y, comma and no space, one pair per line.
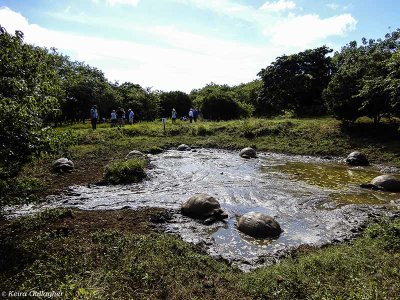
303,31
116,2
186,61
290,30
333,6
280,5
126,2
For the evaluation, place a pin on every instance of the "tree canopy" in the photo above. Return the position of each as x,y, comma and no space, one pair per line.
295,83
30,89
366,79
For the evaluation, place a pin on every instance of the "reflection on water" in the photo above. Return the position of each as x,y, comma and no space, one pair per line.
341,179
308,196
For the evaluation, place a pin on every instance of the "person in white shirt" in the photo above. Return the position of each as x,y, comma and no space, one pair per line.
94,115
113,118
191,115
173,115
131,116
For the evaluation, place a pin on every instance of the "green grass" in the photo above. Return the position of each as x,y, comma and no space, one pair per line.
323,136
108,264
368,268
44,253
125,171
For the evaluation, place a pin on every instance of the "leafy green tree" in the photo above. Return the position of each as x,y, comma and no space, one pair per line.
144,102
30,88
86,86
248,94
175,99
220,102
295,82
364,83
393,87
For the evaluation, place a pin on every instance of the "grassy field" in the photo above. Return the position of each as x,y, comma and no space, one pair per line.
119,255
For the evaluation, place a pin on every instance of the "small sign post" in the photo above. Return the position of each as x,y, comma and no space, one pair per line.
164,121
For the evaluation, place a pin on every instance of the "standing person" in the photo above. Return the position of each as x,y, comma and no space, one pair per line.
131,116
195,114
113,118
123,117
191,115
94,115
120,116
173,115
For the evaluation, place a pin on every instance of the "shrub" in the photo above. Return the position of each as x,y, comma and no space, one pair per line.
124,172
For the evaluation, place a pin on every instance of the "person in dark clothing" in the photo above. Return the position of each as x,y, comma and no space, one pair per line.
120,116
94,115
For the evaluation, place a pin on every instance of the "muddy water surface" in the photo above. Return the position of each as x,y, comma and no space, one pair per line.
316,201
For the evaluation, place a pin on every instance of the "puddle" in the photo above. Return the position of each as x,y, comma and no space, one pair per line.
341,179
316,201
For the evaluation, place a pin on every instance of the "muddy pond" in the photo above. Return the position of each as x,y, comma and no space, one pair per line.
316,201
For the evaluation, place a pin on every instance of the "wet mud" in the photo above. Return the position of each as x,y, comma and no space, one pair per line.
316,201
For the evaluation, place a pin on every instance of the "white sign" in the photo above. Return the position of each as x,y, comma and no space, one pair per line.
164,120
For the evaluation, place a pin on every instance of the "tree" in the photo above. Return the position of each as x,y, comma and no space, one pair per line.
84,87
144,102
295,82
175,99
364,83
393,87
30,88
220,102
248,94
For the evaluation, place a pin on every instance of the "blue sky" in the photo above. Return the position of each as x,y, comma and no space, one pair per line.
185,44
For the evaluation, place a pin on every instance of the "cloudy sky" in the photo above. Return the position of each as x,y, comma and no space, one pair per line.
185,44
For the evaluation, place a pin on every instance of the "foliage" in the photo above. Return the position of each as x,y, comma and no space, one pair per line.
113,254
366,80
106,255
29,89
123,172
84,87
295,82
248,93
365,269
220,102
144,102
176,99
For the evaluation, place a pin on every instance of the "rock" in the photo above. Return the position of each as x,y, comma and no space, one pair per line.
205,207
184,147
62,165
248,153
357,159
259,225
135,154
387,182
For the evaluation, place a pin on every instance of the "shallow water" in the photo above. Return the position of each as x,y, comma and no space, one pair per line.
316,201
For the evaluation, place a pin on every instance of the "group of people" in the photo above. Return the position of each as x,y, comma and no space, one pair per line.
117,117
193,115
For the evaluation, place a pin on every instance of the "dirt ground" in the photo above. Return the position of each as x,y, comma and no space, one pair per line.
84,221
